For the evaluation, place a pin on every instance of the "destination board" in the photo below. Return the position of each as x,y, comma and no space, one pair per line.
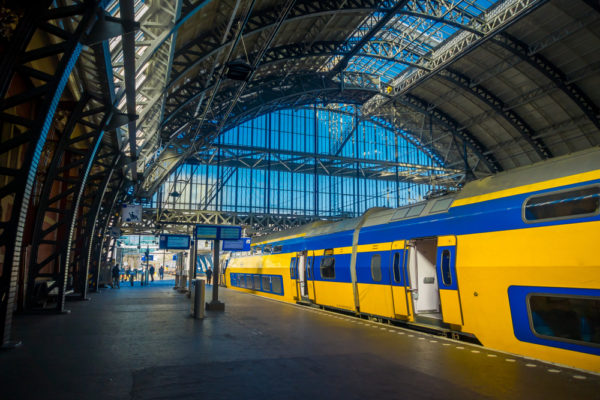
179,242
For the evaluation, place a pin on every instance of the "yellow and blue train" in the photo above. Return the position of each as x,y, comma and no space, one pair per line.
512,260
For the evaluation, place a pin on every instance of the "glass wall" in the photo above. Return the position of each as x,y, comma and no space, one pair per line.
306,161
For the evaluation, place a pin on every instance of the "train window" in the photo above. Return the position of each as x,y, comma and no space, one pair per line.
266,284
241,281
267,249
566,318
328,267
400,213
446,274
376,267
441,205
396,267
277,249
309,263
415,211
293,268
256,282
277,286
564,204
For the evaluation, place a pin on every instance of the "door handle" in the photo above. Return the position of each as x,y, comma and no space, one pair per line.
412,290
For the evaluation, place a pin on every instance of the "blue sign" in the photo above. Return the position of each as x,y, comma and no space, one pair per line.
218,232
150,257
242,244
174,257
179,242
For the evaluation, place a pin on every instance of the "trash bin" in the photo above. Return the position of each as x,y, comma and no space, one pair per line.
198,293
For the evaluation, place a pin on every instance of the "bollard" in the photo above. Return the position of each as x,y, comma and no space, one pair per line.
198,295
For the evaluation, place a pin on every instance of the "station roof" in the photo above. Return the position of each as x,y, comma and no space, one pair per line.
487,85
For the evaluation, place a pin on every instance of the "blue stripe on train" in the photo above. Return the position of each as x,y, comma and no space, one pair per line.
518,297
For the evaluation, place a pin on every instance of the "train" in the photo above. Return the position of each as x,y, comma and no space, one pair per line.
510,261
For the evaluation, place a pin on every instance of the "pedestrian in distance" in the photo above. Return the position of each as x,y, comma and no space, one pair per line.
115,276
208,276
161,272
152,273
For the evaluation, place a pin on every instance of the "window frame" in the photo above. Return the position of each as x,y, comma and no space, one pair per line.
556,338
373,257
548,193
321,267
398,255
449,267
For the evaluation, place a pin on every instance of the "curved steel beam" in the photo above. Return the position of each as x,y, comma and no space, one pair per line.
198,50
455,128
27,114
194,89
496,104
553,73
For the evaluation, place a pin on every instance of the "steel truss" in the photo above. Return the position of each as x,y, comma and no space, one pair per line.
100,247
267,95
253,157
61,196
155,221
103,171
495,21
30,90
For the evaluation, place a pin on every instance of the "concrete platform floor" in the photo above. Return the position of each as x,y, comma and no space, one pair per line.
140,343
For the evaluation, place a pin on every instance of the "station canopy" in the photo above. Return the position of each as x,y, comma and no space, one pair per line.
495,84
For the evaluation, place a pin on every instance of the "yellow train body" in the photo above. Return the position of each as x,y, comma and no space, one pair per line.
500,261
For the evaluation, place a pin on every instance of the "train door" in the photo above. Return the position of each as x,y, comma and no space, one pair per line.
302,287
447,280
294,275
398,280
310,276
423,279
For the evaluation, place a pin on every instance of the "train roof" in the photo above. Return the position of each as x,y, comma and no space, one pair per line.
559,167
555,168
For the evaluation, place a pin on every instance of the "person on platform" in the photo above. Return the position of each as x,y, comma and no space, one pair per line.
151,273
115,276
161,272
208,276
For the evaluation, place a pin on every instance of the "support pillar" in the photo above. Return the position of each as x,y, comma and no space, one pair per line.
215,304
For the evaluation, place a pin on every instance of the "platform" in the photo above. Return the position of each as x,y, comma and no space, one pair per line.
139,343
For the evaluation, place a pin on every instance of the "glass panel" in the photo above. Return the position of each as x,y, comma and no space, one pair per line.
277,249
415,210
396,266
256,282
401,213
277,286
376,268
328,267
566,318
446,274
441,205
309,263
266,284
563,205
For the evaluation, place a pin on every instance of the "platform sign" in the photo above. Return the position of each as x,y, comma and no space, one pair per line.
179,242
150,258
174,257
218,232
242,244
207,232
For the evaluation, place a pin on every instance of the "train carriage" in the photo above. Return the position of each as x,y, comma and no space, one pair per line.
511,260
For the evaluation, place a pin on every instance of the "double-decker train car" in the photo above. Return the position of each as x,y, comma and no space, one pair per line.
512,260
